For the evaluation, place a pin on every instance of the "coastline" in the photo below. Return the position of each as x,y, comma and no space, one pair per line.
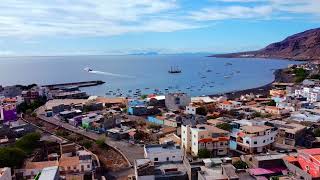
263,90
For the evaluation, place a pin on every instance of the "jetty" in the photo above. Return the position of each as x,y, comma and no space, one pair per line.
74,84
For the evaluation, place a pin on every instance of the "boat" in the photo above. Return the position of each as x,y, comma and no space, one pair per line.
174,70
88,69
228,64
209,70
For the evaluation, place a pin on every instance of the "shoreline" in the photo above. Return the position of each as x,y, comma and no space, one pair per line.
263,90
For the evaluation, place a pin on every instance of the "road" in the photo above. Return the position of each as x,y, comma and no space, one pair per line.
130,151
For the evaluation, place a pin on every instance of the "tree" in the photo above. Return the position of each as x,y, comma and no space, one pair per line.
144,96
86,143
28,142
100,142
271,103
202,111
225,126
204,153
240,165
316,132
11,157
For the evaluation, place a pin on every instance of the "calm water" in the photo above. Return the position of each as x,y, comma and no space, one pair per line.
200,75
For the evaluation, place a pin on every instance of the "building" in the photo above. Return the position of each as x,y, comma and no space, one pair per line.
204,136
49,173
145,169
30,95
305,164
289,133
228,105
8,112
252,138
5,173
177,101
170,138
276,110
160,153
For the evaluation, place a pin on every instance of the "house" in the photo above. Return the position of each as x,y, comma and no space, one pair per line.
8,112
49,173
5,173
276,110
30,95
145,169
228,105
32,169
119,133
170,138
159,153
305,164
214,169
193,109
204,136
252,138
177,101
289,134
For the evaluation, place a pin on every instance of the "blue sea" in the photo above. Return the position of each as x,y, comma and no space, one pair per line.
201,75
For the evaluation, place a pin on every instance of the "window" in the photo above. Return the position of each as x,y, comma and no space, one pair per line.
74,167
247,142
88,166
255,142
264,141
155,159
173,157
271,138
167,158
221,144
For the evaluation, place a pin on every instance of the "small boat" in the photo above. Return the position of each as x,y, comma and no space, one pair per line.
226,77
209,70
238,72
174,70
228,64
88,69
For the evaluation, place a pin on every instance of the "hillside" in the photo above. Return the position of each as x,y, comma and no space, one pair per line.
302,46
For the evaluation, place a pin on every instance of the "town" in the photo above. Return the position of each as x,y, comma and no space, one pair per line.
60,132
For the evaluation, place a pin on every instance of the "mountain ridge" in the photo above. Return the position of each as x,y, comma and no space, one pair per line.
304,46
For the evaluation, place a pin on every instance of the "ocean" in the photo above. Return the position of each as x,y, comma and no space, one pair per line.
147,74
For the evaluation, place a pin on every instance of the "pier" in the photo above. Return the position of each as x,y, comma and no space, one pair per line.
75,84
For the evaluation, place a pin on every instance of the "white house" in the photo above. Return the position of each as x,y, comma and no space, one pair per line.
163,153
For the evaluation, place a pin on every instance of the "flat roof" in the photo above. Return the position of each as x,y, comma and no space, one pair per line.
49,173
206,127
159,148
255,129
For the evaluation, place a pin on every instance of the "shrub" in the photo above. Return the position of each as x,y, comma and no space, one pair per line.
86,143
28,142
100,142
204,153
225,126
11,157
240,165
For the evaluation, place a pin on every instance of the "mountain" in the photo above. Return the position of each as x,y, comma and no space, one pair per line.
302,46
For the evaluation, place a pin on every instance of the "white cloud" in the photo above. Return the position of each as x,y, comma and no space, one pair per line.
231,12
87,17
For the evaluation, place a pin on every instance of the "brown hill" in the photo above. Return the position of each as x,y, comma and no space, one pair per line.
301,46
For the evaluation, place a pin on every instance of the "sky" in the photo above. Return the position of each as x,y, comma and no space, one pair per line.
89,27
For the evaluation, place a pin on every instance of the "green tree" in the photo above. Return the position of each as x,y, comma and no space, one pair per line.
11,157
101,142
240,165
225,126
28,142
202,111
316,132
144,96
271,103
204,153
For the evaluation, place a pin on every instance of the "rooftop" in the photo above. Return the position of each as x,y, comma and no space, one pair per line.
41,165
255,129
69,161
160,148
205,127
49,173
57,102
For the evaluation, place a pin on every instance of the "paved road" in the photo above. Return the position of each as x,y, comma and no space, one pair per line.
131,151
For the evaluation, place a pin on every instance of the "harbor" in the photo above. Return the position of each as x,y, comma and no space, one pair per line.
75,84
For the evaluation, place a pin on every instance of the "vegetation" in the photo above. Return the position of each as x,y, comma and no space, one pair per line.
100,142
28,142
202,111
300,74
144,96
62,133
154,126
225,126
14,156
315,76
11,157
316,132
240,165
204,153
271,103
28,108
86,143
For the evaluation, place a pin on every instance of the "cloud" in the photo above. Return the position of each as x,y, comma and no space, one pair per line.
87,17
231,12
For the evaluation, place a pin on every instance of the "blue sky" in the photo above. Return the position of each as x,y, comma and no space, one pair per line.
71,27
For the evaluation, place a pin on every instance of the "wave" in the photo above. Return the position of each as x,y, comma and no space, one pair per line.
111,74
